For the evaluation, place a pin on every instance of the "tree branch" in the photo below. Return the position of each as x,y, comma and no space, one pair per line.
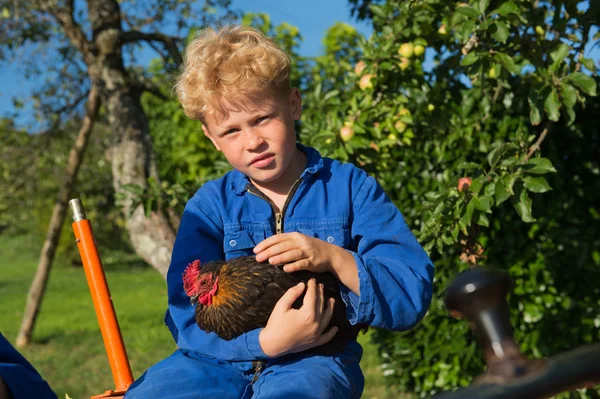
64,16
170,42
472,42
65,109
538,143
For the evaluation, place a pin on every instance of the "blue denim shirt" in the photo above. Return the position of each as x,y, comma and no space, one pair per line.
334,201
23,381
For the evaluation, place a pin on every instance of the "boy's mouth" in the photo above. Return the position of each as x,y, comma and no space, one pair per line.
262,160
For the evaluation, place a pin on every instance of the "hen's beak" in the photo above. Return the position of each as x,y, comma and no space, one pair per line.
193,299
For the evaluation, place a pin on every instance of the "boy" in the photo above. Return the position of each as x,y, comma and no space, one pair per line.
18,378
286,204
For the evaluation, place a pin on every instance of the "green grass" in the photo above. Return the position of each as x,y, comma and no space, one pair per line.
67,347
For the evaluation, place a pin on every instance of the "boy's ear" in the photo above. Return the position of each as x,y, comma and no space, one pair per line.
210,137
295,103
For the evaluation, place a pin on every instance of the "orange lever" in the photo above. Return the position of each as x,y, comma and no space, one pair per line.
105,311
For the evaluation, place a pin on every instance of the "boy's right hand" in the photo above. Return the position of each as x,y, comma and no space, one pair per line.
292,330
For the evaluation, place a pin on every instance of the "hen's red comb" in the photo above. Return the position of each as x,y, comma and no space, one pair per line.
190,276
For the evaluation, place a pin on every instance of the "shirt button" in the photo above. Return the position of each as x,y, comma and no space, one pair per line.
330,239
232,243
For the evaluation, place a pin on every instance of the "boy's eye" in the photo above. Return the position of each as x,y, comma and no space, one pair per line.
262,118
230,131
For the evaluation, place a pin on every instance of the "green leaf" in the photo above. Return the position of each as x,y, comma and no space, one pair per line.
537,184
558,55
468,165
552,106
538,166
568,94
482,220
587,84
535,111
467,11
467,29
506,8
330,94
494,156
477,185
465,220
483,203
501,193
588,63
523,206
469,59
501,31
482,5
455,231
506,61
378,11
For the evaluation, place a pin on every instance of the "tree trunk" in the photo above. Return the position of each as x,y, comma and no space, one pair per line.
38,286
132,157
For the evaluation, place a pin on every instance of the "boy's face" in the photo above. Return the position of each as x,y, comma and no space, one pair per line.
259,141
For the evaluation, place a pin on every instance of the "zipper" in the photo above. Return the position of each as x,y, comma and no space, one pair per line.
278,215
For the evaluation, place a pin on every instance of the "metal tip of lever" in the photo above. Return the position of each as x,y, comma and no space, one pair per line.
77,209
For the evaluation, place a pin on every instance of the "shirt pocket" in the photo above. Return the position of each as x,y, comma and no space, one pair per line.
239,243
335,235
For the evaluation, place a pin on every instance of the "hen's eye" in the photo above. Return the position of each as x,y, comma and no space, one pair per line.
204,282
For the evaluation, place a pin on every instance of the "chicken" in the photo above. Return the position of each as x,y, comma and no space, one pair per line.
238,296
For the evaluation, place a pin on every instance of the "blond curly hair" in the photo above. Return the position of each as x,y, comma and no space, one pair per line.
230,65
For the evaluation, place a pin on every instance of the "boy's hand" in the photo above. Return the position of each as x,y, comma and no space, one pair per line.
295,330
298,252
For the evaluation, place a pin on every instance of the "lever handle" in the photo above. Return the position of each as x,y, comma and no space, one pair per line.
480,296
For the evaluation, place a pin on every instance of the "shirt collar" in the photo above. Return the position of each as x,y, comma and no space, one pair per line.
313,165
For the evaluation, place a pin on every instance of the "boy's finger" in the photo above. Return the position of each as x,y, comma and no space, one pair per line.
328,336
290,296
293,255
310,298
327,315
322,300
274,250
274,239
319,301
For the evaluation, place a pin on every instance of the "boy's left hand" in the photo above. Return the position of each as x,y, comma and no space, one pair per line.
297,251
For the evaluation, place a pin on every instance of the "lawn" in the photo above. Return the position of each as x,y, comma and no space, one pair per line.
67,346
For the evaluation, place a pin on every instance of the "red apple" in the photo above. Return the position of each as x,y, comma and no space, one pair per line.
464,183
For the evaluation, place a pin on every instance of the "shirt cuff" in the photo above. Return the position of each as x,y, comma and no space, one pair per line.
253,344
359,308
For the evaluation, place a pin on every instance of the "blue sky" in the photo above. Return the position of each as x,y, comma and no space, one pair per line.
312,17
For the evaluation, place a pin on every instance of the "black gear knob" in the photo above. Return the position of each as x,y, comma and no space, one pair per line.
480,296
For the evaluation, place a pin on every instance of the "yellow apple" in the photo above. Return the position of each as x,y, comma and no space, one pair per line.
346,133
404,112
359,67
406,50
400,126
419,50
430,107
492,73
540,31
404,63
392,137
365,82
442,30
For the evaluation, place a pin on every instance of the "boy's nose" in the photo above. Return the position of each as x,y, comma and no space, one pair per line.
252,139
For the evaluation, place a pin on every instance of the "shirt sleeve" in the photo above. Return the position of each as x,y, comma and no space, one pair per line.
200,236
19,376
394,271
